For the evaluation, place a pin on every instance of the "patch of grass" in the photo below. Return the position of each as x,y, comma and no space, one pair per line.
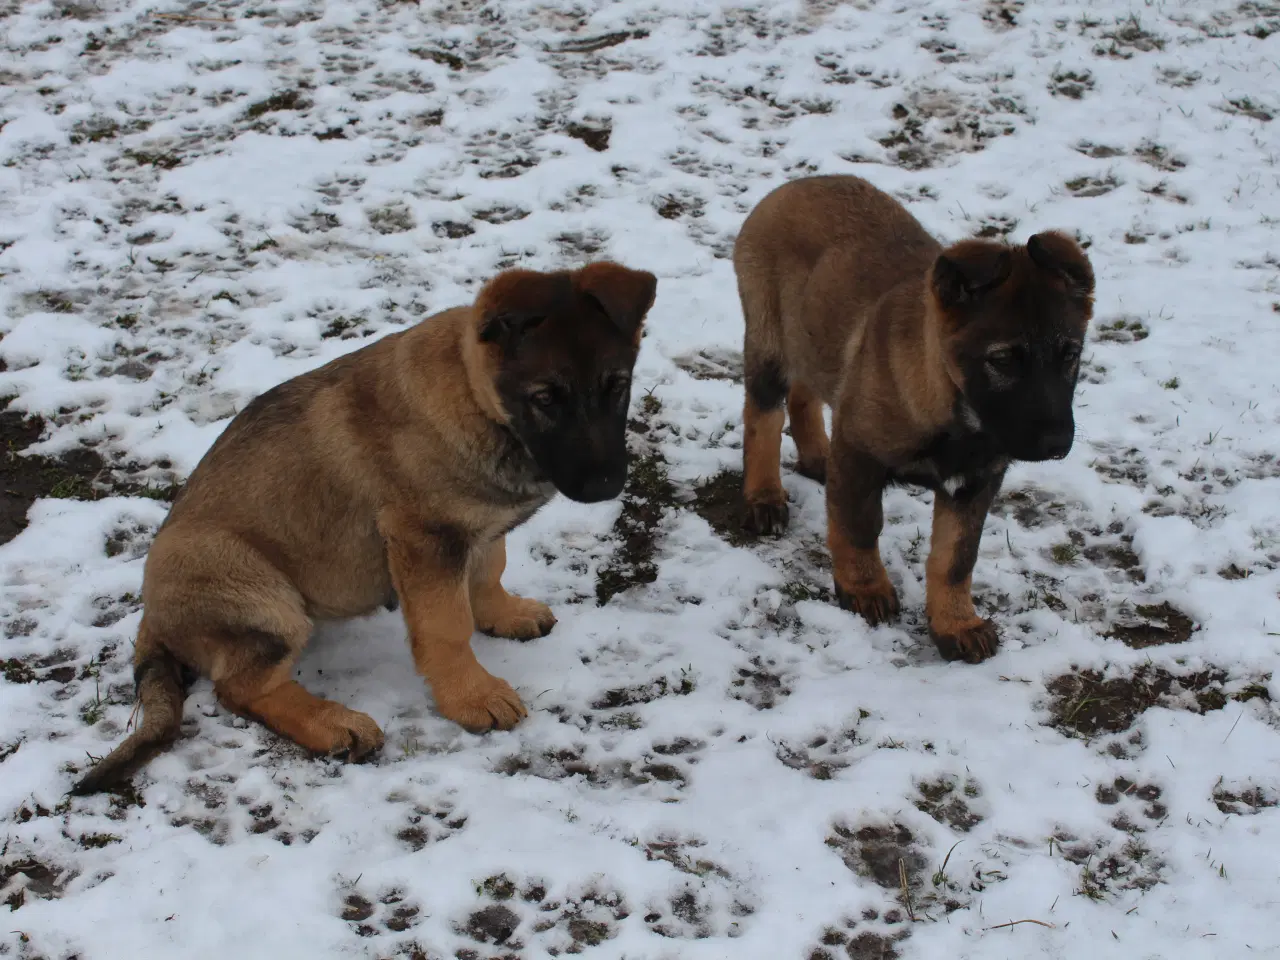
501,214
595,136
452,229
1072,84
17,671
285,100
94,130
1160,157
161,160
1122,330
340,325
499,887
1247,107
1064,553
644,692
1163,191
1171,384
944,802
1092,186
1085,704
1177,77
1243,799
995,228
1126,38
1097,151
96,841
443,57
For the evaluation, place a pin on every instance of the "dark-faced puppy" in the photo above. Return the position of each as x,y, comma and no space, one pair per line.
941,365
567,387
391,474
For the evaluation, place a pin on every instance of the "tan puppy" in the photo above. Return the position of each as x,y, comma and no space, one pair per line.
941,365
390,474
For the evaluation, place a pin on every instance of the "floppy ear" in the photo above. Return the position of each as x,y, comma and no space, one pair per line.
624,295
967,271
1059,254
510,304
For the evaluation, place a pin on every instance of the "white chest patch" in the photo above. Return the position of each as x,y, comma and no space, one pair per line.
952,484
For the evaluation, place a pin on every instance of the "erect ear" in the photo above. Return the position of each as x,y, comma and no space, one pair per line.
967,271
1059,254
510,304
623,294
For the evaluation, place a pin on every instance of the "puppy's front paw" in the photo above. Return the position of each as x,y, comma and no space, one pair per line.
346,734
517,619
971,642
876,603
766,513
486,703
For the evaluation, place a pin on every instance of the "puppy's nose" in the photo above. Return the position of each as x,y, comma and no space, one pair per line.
599,486
1056,444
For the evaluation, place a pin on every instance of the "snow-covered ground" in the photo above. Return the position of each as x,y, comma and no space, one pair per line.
197,202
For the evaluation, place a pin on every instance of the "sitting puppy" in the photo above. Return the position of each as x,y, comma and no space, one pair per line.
388,475
941,366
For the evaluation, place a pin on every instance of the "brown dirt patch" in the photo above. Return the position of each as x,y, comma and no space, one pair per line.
1086,704
945,801
1153,625
718,501
80,474
1244,798
648,494
881,853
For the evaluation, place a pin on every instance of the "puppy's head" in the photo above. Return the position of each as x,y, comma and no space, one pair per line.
562,347
1013,323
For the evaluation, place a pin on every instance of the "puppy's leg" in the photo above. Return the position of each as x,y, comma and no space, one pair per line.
804,408
855,516
429,569
766,500
765,379
497,612
252,675
954,624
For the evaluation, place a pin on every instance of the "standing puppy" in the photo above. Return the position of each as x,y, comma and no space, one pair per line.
942,366
389,475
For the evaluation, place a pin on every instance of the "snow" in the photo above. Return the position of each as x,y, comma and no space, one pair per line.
711,755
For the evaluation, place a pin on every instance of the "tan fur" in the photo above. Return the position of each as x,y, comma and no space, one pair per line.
837,283
364,482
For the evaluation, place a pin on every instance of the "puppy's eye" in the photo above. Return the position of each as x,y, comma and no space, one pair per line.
1004,361
545,397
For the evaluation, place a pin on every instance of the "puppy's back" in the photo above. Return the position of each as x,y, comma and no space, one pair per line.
792,227
812,258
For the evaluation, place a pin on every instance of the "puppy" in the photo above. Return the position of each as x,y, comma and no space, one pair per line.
941,365
388,477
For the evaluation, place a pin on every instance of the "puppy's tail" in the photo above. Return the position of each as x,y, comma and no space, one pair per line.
160,685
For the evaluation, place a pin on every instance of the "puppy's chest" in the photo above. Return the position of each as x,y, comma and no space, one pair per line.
958,461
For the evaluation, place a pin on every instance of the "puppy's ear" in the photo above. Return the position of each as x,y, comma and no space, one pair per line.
510,304
624,295
966,272
1061,256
